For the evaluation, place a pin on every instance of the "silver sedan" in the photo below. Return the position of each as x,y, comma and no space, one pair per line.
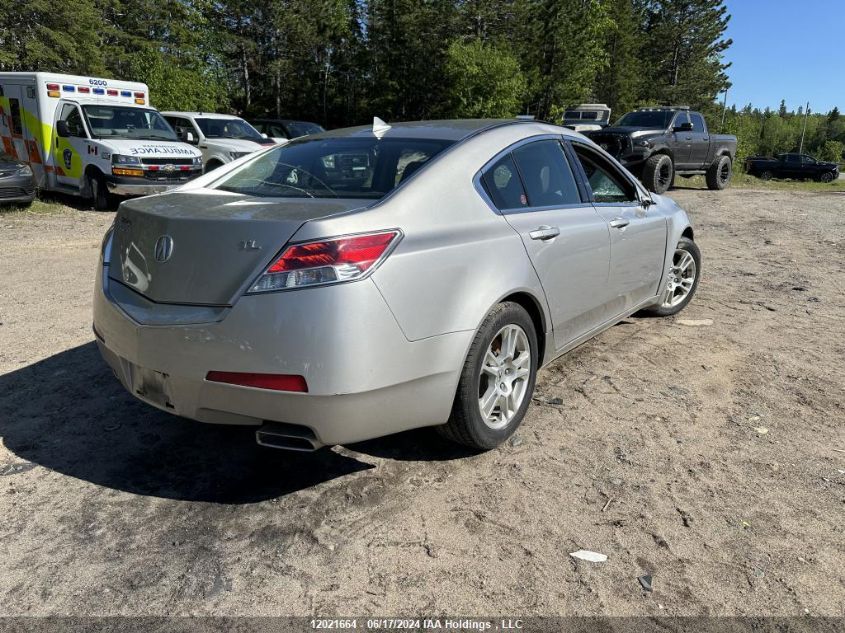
369,280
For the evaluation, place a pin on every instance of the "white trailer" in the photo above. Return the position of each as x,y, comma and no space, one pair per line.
92,137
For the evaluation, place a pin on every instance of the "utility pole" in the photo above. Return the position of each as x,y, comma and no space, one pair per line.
724,109
804,129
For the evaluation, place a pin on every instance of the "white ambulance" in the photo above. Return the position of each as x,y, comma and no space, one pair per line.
92,137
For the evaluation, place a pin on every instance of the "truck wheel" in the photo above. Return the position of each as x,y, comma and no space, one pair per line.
658,173
826,177
719,173
99,192
212,165
765,175
497,380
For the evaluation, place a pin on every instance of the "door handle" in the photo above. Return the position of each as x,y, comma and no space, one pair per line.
544,233
619,223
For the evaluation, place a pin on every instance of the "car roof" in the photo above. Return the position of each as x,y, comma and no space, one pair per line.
448,129
201,114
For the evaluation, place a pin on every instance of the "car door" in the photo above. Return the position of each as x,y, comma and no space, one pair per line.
568,242
68,151
809,166
700,143
791,166
682,140
637,236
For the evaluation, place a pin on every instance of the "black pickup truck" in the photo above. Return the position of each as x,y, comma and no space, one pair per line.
657,144
791,166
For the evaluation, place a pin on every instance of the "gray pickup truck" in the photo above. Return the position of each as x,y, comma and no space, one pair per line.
656,144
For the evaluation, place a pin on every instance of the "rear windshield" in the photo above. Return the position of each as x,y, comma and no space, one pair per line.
302,128
228,128
650,119
333,168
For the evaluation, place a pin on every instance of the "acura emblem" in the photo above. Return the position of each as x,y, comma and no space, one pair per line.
163,248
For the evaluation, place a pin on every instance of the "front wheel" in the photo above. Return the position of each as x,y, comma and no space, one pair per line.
658,173
497,380
827,176
99,192
681,279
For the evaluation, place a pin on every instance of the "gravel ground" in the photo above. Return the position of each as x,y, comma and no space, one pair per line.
707,450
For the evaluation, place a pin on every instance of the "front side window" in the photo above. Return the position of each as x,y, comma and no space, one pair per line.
697,123
181,127
608,185
127,123
809,160
228,128
681,119
546,175
71,116
504,186
333,168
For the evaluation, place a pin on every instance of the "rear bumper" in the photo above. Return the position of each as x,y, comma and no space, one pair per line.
365,379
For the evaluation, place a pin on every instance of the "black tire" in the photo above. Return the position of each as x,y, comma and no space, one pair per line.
766,175
719,173
685,244
827,176
212,165
658,173
100,197
466,424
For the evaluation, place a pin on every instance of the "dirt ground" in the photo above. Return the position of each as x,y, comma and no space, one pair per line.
707,450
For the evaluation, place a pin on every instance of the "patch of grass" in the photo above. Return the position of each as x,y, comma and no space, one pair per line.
742,180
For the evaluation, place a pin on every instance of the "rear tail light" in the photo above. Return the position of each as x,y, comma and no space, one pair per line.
327,261
275,382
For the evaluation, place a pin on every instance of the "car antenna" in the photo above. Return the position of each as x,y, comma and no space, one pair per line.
379,127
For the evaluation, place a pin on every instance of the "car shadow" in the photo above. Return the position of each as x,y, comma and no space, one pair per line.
418,445
69,413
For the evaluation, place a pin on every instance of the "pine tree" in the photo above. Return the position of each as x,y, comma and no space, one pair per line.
619,83
684,48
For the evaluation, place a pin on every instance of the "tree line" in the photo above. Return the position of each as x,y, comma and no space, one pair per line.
340,62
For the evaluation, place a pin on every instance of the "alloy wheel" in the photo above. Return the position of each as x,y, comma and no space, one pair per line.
504,374
681,279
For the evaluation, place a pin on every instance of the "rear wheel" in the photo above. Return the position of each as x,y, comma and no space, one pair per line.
658,173
497,380
681,279
719,173
766,175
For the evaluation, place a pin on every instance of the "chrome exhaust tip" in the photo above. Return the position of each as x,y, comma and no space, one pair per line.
288,437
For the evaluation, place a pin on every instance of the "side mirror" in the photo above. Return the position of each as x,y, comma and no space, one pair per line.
189,138
684,127
62,129
264,135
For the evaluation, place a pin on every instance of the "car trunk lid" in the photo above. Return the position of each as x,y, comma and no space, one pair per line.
204,247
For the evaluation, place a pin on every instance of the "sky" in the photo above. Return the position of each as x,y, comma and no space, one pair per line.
787,49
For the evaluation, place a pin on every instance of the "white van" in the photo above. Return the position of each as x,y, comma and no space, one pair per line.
92,137
221,137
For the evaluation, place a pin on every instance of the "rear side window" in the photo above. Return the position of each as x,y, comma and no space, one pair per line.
15,107
504,186
546,174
